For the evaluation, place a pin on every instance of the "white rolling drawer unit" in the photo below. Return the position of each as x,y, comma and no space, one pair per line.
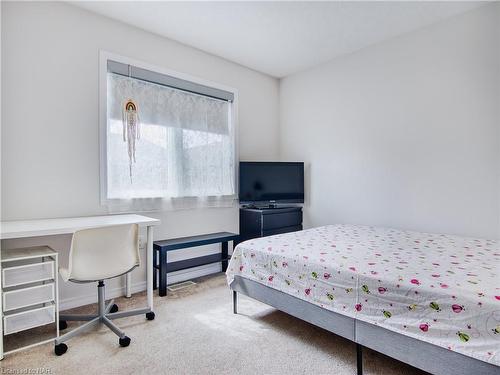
29,291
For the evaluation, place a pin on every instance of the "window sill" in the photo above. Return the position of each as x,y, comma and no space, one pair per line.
167,204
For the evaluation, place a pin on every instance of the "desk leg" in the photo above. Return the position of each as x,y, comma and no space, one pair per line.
224,256
128,284
149,264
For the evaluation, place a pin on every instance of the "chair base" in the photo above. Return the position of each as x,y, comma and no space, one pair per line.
106,312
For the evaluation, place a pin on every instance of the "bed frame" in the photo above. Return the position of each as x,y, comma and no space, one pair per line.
420,354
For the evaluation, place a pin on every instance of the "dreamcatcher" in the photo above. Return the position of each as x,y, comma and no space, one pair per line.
131,130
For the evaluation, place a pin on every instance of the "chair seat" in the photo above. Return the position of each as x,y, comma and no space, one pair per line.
64,272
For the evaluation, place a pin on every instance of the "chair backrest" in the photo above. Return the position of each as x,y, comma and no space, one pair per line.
103,253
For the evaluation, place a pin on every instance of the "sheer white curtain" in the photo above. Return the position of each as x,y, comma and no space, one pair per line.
186,152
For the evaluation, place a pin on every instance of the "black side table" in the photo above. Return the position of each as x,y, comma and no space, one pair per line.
160,249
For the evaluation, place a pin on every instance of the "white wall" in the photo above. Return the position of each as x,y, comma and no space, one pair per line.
404,133
50,146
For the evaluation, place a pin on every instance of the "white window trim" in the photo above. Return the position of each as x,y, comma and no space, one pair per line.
155,204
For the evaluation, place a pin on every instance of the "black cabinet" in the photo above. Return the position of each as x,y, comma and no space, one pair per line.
261,222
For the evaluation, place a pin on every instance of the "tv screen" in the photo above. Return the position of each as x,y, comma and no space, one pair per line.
271,182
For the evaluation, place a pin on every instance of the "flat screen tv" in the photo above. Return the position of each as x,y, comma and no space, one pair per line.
271,183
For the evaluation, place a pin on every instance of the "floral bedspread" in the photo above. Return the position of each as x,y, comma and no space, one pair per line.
437,288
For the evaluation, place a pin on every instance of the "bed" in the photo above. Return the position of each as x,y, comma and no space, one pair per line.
430,300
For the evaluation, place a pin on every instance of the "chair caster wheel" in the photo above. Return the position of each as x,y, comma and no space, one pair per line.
150,315
125,341
113,309
63,325
60,349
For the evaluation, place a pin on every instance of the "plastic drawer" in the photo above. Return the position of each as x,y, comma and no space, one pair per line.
19,298
28,319
27,273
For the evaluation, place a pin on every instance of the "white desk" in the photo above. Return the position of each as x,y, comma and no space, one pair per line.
50,227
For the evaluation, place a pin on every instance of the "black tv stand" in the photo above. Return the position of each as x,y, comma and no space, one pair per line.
266,221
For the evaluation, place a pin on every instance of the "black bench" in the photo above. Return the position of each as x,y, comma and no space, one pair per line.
160,249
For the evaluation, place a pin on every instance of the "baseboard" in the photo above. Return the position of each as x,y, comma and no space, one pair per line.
173,278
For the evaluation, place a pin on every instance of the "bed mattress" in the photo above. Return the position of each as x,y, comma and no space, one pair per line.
437,288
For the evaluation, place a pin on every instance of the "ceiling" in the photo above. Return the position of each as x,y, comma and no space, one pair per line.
278,38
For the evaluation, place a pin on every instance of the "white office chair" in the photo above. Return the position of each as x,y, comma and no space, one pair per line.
97,255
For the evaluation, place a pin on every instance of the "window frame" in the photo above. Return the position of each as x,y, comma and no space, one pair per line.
156,204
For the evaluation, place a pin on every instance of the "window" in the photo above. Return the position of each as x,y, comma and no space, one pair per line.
185,141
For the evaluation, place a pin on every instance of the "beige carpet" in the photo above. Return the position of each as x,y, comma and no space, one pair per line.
195,332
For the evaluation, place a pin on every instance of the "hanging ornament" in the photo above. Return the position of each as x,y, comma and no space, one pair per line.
131,129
